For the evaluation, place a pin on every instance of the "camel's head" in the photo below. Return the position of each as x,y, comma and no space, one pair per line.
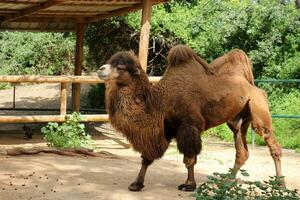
121,68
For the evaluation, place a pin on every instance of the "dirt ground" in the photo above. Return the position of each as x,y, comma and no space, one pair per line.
49,177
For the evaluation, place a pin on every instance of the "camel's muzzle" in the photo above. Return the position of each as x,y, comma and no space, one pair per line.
104,71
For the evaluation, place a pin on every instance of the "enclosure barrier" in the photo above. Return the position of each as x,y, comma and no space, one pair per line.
283,116
63,80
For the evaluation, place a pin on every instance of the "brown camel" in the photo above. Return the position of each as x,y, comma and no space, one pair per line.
191,97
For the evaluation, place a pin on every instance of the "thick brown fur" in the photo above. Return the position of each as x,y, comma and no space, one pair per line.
131,111
191,97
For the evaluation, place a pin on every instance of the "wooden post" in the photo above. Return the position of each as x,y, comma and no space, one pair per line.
145,33
63,98
78,66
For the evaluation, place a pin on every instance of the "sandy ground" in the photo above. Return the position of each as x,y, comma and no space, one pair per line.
47,176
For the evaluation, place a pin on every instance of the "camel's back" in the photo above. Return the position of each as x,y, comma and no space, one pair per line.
188,90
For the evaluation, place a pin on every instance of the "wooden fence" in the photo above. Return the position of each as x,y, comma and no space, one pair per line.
63,80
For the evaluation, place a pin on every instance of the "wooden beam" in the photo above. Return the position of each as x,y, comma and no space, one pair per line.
32,10
63,98
115,13
145,33
51,79
19,2
59,79
49,19
78,66
50,118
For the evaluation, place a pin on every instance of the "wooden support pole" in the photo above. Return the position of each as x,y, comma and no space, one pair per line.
78,66
145,33
63,98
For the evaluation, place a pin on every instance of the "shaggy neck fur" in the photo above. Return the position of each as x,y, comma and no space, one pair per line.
134,110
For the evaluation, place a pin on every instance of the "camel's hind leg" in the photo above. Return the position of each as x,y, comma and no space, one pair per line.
239,127
262,125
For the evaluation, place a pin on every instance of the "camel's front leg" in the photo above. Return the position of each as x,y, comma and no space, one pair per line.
189,143
139,183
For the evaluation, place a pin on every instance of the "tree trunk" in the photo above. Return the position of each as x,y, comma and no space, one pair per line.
297,3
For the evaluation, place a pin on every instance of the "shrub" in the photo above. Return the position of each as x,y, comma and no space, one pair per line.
70,134
223,186
36,53
96,96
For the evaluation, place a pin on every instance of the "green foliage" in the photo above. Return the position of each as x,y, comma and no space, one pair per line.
96,96
223,186
267,30
107,37
36,53
70,134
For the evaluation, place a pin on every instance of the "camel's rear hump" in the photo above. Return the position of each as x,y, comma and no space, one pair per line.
234,62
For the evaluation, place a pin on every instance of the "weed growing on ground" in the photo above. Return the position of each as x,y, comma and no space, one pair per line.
224,186
70,134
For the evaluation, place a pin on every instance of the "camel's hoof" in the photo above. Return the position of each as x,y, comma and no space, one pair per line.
135,186
187,188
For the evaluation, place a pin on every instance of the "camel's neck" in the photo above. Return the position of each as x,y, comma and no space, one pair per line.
133,111
138,96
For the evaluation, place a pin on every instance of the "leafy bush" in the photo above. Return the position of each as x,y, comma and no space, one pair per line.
96,96
223,186
70,134
36,53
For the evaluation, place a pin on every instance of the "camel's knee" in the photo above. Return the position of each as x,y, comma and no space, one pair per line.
269,137
188,140
241,157
189,161
276,151
146,161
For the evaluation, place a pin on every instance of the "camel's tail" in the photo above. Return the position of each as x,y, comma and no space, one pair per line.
181,54
235,62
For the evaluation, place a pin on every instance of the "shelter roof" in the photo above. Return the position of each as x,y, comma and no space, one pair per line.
61,15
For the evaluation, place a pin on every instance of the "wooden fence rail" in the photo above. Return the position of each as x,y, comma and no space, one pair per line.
63,80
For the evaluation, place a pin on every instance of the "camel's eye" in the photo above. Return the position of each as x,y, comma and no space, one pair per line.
121,67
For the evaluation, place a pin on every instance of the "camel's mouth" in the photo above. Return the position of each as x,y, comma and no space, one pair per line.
105,71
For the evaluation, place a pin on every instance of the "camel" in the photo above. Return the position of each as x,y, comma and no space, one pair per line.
191,97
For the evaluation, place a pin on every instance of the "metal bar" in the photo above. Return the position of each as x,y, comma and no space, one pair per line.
277,81
252,138
283,116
